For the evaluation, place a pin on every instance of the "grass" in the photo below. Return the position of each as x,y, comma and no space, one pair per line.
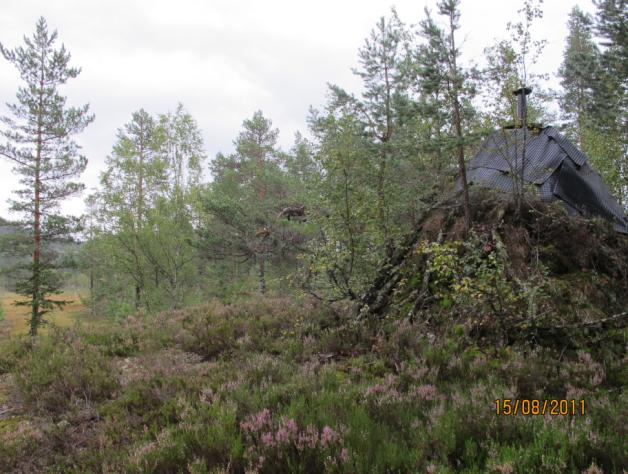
15,318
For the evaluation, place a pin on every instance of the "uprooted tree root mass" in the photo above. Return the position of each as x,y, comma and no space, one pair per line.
537,275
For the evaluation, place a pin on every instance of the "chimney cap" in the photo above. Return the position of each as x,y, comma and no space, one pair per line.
522,90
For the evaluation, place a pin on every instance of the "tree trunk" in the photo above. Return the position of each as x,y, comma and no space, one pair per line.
262,274
91,292
381,179
261,194
138,292
456,86
138,227
35,315
461,166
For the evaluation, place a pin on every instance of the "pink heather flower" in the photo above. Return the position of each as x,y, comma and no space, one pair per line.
138,455
207,395
282,436
436,413
374,389
328,436
420,373
257,421
309,438
344,455
455,362
479,362
268,440
426,392
290,426
585,357
457,400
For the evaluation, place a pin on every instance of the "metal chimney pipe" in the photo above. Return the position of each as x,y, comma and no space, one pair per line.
522,112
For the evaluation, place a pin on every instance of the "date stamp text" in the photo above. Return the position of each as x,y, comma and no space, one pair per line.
534,407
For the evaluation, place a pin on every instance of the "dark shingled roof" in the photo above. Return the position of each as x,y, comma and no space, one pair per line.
553,164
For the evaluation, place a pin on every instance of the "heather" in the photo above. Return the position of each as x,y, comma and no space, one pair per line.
276,385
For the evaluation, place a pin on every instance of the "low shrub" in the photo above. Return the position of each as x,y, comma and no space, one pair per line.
60,370
12,350
18,438
113,341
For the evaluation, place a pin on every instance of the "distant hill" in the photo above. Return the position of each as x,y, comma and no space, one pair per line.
9,233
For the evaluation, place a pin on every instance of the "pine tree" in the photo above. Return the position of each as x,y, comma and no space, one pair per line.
442,77
612,26
383,109
578,74
611,103
246,196
39,144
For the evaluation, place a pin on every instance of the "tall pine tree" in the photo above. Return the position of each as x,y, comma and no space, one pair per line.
243,201
39,144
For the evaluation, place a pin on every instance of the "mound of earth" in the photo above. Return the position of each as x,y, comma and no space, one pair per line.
533,273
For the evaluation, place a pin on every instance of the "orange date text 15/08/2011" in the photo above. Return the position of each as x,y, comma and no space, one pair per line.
554,407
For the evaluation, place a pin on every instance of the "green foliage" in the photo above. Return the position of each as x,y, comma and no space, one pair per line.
471,273
245,219
18,439
113,341
60,371
11,352
594,97
141,250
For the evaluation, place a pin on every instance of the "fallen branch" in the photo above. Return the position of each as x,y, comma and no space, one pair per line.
568,333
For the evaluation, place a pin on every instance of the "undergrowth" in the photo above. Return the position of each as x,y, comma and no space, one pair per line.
280,386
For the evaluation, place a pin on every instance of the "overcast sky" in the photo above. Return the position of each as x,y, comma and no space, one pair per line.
224,59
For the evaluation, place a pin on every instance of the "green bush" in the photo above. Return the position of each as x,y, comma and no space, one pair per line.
113,341
12,350
60,370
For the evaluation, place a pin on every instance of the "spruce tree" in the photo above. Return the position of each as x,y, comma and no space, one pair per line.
578,74
611,103
39,144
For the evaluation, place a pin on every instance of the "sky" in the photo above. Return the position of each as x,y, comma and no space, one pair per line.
225,59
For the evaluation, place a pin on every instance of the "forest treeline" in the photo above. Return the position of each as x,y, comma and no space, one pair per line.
321,216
